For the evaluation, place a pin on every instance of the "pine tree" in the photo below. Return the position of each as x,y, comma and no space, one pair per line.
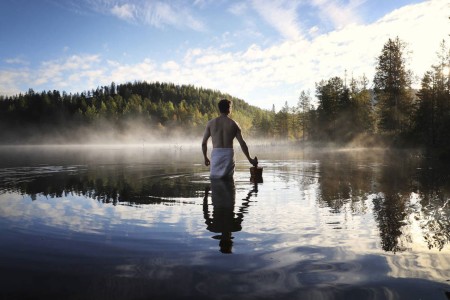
432,118
361,106
392,85
333,104
304,106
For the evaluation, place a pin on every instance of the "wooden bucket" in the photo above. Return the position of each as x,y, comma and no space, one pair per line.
256,174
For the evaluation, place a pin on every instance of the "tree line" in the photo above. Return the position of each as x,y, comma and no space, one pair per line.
348,109
157,106
389,111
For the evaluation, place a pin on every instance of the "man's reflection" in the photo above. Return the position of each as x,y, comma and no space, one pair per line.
223,219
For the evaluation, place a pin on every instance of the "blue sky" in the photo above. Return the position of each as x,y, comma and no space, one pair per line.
264,52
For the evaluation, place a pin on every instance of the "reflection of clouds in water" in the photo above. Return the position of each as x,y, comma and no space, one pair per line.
286,220
81,214
294,218
10,204
420,226
305,271
286,215
433,266
419,261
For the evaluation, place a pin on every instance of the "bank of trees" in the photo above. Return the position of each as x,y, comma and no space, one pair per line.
346,109
432,115
387,111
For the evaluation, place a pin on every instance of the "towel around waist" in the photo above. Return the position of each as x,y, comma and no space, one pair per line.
222,162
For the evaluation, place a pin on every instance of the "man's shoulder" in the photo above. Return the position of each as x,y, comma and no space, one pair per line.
220,121
212,121
231,123
235,123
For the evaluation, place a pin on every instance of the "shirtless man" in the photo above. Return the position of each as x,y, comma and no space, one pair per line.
223,130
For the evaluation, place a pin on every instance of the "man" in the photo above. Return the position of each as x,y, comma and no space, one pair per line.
223,130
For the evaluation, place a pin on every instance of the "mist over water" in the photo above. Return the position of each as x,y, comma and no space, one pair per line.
145,221
103,133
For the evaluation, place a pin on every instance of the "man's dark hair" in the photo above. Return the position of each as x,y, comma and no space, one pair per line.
224,106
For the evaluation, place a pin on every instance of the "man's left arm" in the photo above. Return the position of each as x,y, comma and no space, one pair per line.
244,147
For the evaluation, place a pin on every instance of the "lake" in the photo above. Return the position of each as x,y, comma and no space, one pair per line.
146,222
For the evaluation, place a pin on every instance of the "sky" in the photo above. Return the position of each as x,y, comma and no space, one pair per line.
262,51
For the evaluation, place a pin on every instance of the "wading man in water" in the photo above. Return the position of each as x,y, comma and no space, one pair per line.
223,130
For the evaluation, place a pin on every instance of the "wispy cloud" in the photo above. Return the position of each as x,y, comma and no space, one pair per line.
159,14
281,15
16,61
238,8
126,11
338,13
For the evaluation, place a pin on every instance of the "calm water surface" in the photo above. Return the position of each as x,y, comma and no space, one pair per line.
147,223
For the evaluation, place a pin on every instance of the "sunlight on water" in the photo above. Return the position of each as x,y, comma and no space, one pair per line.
330,224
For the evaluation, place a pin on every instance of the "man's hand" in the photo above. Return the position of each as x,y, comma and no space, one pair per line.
207,162
254,161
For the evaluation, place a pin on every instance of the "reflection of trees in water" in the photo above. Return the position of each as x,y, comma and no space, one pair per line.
402,181
395,183
435,221
343,181
394,178
390,214
109,185
434,209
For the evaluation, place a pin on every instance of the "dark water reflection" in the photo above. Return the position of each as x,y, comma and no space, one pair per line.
147,223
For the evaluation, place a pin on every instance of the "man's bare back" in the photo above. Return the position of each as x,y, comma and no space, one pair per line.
222,131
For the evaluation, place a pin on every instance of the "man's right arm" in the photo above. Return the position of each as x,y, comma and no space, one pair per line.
206,136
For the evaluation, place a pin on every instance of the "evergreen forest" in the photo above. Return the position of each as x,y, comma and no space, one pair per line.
381,111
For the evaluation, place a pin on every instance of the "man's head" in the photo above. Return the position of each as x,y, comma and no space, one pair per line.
225,106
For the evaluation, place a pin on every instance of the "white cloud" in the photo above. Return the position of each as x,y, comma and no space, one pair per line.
281,15
125,12
261,75
120,73
286,68
422,27
170,65
238,9
203,3
178,13
159,14
313,30
16,61
338,13
10,81
162,14
53,72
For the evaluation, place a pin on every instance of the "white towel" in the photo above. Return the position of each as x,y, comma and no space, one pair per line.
222,162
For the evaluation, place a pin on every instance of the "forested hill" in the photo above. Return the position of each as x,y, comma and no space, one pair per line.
163,108
348,112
